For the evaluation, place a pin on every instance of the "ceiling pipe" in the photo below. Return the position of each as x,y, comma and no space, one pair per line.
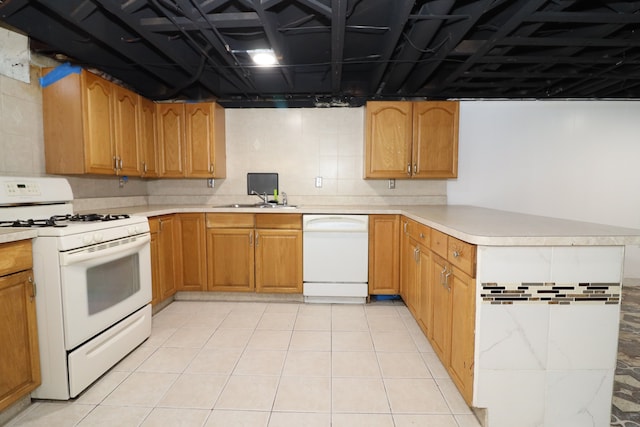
421,34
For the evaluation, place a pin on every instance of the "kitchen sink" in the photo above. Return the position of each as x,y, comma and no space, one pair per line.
258,205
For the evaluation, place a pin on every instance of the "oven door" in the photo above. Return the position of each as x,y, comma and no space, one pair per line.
102,284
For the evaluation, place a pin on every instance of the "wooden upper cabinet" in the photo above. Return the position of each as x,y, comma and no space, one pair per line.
411,139
147,136
171,139
125,131
388,139
191,140
90,127
205,141
98,125
435,139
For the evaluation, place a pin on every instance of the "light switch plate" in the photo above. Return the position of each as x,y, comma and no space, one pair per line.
318,182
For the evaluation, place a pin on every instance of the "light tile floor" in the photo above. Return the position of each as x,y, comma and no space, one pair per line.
255,364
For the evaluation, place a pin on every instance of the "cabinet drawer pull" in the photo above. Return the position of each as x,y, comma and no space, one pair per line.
456,254
34,290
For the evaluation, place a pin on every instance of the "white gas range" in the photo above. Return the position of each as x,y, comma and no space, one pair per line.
93,281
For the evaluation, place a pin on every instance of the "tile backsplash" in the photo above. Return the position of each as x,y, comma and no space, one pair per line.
298,144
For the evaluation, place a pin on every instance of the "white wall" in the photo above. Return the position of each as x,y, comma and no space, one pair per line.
570,159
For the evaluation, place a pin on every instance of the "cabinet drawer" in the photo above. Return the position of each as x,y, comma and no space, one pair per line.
439,243
15,256
279,221
418,232
462,255
230,220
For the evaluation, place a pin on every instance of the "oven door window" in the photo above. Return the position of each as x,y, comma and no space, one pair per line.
102,285
111,283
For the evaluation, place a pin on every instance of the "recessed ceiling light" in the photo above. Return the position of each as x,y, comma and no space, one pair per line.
263,57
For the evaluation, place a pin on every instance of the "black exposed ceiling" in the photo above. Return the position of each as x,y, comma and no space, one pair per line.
343,52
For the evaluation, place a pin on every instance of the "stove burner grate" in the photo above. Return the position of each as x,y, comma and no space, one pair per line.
55,220
29,223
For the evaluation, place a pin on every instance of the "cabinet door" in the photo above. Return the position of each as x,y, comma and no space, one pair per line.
435,139
230,257
171,140
423,279
278,261
191,254
147,138
388,136
384,254
204,143
19,357
462,331
441,308
98,127
407,273
125,131
167,239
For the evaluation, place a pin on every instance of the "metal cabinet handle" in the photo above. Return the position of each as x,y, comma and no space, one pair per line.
446,280
115,164
409,169
257,236
415,168
251,238
456,254
211,168
442,276
34,290
144,167
422,235
416,254
405,227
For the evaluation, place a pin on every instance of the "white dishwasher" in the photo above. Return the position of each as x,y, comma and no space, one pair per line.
335,258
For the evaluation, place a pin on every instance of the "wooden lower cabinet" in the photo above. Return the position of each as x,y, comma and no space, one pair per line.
192,252
248,252
438,287
278,261
441,309
19,357
230,259
384,254
164,266
462,331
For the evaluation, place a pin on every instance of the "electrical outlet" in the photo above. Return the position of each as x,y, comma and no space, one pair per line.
211,183
392,184
318,182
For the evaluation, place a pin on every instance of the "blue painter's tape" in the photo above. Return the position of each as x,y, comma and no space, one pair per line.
61,71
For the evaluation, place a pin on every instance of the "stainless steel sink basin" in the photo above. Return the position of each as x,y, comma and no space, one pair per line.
258,205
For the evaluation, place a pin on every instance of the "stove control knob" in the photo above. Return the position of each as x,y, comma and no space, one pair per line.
87,239
98,237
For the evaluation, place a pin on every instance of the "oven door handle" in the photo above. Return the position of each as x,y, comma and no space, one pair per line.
112,250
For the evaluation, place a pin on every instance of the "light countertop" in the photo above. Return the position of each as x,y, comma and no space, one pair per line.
480,226
14,234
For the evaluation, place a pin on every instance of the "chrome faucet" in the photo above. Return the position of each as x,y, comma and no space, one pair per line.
262,196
